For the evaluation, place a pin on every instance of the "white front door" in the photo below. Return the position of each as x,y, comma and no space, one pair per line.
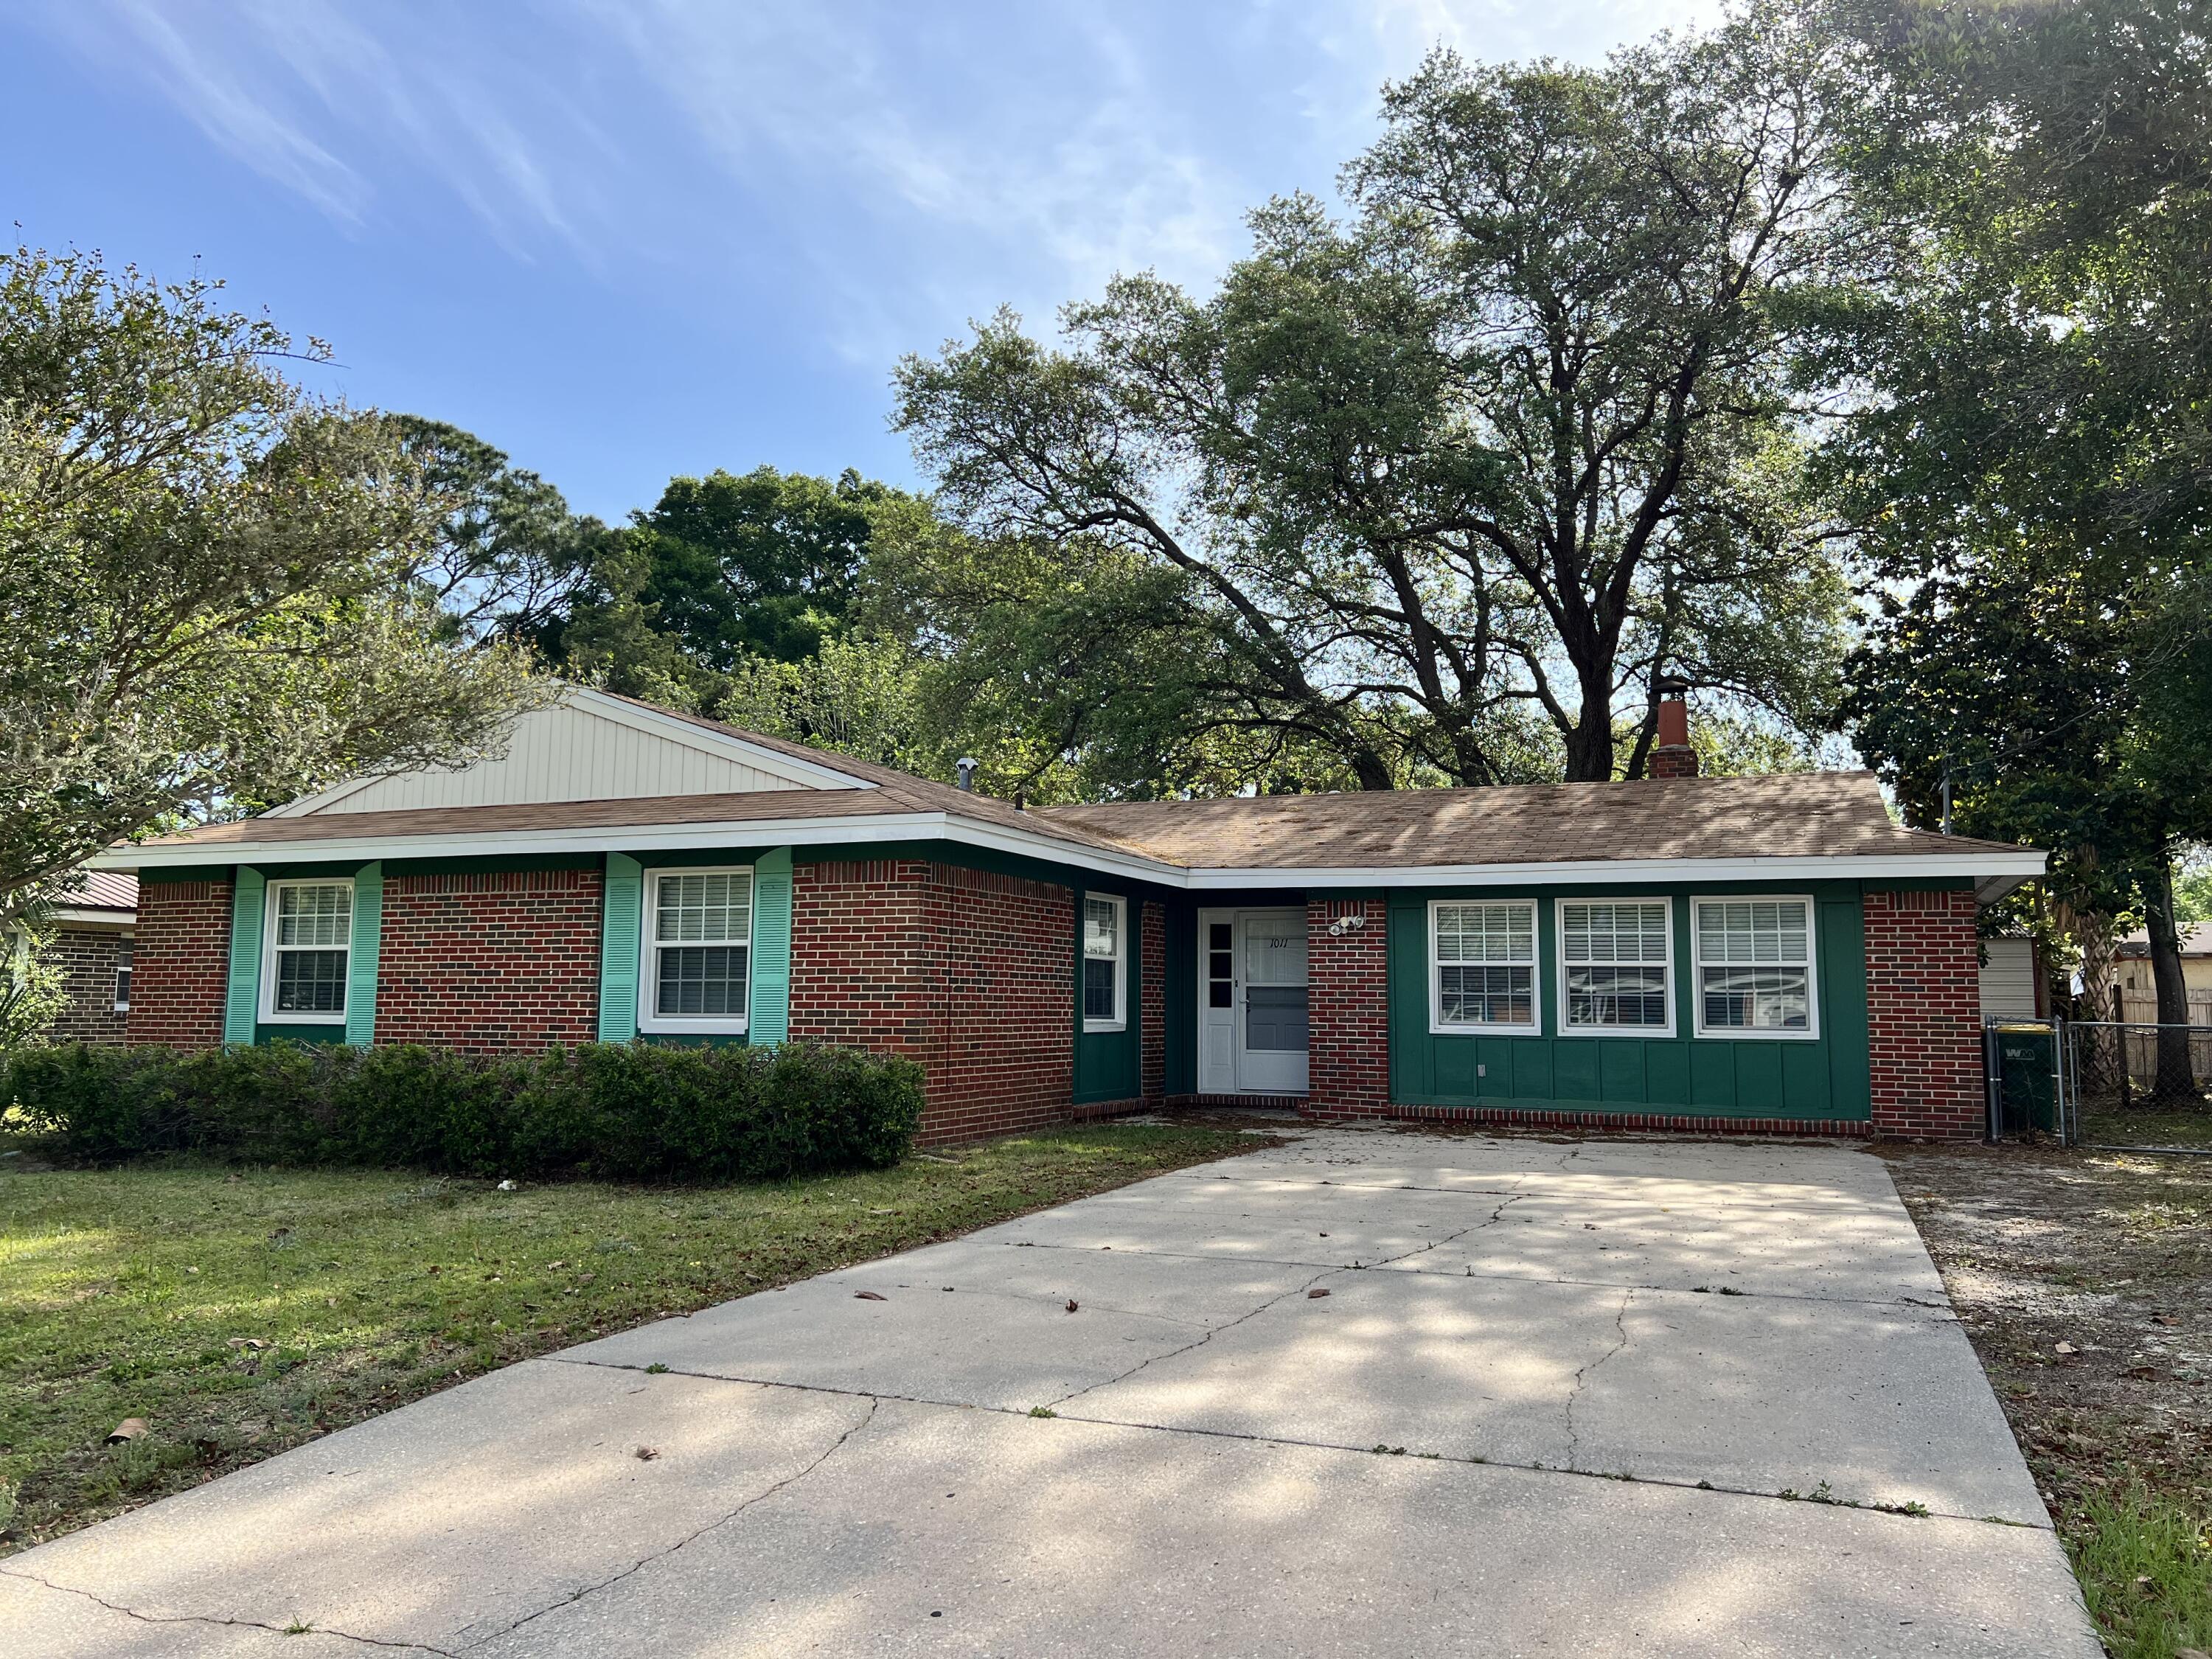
1252,1002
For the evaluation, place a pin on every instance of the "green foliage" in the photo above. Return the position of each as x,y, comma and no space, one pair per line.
215,587
723,573
2145,1564
510,558
633,1111
1438,492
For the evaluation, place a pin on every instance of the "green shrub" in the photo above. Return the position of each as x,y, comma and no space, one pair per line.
625,1111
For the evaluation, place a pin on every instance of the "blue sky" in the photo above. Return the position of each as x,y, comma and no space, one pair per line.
626,240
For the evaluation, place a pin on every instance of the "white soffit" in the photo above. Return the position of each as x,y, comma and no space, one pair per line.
587,747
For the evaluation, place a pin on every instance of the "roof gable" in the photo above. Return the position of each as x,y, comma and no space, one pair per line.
589,746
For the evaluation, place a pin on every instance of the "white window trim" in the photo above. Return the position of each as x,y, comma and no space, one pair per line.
648,982
1120,1020
1560,939
268,1015
1750,1034
1438,1025
128,948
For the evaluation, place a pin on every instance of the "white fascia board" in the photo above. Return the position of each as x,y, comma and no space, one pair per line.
1995,873
647,838
74,916
1610,873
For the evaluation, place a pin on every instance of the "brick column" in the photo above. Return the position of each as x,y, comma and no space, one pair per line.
182,964
1923,1015
1152,931
1348,1048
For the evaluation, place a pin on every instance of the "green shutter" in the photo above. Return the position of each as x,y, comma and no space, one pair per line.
770,1018
360,965
241,1003
618,945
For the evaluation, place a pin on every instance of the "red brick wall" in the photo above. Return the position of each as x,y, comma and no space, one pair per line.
973,975
181,964
1923,1015
489,961
1153,1004
86,959
1348,1051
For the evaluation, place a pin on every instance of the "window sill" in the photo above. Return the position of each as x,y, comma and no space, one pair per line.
302,1019
1752,1034
1617,1032
1438,1028
1094,1027
707,1029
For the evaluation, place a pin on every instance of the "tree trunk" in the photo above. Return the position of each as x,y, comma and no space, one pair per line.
2094,934
2175,1083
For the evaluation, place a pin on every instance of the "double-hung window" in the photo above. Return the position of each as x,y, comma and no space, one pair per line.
1754,959
123,977
1616,967
310,943
698,938
1105,950
1483,965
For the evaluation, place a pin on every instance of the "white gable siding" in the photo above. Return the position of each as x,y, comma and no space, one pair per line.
574,752
2008,978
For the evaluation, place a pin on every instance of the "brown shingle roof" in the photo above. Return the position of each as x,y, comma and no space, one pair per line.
1810,814
1790,815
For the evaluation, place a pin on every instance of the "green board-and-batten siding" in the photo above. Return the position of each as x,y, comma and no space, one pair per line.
1109,1064
769,1014
622,917
1823,1076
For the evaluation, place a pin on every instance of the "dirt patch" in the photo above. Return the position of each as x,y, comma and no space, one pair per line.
2084,1281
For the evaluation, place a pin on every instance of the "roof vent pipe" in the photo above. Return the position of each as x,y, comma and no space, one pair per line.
965,766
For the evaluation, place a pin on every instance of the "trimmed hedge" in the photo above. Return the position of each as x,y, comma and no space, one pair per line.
621,1111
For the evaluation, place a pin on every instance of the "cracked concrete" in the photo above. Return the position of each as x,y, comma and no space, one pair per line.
1504,1319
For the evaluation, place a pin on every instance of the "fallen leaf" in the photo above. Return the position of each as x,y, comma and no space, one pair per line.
865,1296
129,1428
1311,1294
1071,1304
2065,1347
247,1342
646,1453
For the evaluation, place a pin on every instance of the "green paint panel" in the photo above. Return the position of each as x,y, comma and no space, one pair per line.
329,1032
622,917
241,1002
1109,1064
769,1019
1825,1077
361,959
1179,1014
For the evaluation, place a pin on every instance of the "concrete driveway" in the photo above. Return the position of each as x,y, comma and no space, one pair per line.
1371,1393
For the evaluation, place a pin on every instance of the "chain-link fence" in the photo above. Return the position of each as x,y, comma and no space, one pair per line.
2046,1075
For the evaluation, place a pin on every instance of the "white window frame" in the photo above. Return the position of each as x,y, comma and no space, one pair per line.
1438,1025
126,956
1559,939
1812,966
1119,1022
648,963
270,906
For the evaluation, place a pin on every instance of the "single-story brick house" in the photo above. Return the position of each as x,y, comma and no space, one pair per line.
1765,953
92,929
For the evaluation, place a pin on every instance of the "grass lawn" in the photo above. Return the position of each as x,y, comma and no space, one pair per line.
2139,1126
243,1311
2084,1281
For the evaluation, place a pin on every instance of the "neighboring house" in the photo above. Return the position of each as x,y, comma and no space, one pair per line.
1764,953
2013,982
93,924
2132,965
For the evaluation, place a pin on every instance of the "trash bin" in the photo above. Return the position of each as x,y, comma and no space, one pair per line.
2026,1058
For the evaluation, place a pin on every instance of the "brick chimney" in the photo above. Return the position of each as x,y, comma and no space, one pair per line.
1672,756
